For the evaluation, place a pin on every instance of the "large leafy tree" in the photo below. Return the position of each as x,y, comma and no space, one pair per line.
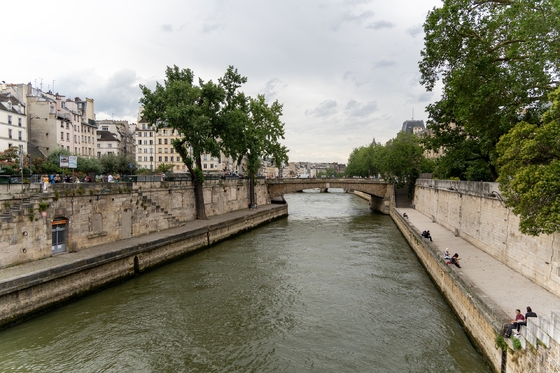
497,60
255,135
197,110
401,160
362,161
530,171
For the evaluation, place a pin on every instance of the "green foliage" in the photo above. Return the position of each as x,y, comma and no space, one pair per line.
163,167
497,61
43,206
401,160
9,161
330,172
530,171
211,118
500,342
87,165
362,161
117,164
516,344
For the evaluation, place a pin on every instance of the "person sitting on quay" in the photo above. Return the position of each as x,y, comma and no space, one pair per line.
426,234
405,215
528,314
455,260
514,323
446,254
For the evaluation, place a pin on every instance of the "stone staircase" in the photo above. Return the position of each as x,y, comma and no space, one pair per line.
155,208
401,198
17,207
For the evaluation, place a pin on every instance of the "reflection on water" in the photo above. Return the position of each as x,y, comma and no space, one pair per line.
332,288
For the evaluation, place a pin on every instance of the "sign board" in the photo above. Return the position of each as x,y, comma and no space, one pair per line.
64,160
73,161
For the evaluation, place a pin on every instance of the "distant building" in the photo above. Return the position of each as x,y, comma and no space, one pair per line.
413,126
121,140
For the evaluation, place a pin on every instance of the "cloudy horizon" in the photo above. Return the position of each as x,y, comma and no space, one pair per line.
346,72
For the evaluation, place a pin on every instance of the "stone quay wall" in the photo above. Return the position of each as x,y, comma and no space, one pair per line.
31,294
476,213
98,213
539,347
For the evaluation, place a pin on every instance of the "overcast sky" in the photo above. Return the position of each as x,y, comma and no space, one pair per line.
346,71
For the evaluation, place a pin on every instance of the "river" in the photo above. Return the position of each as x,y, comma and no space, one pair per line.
332,288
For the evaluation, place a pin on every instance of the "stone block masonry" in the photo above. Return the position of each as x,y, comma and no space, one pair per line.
94,213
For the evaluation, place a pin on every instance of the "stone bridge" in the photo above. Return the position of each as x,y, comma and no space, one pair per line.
380,191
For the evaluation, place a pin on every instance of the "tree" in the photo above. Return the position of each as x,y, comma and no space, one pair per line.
361,161
9,160
401,160
253,133
530,171
497,60
197,112
164,167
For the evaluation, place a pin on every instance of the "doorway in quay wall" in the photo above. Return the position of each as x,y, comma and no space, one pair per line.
59,234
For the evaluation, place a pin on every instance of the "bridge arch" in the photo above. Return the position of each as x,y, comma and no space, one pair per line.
380,191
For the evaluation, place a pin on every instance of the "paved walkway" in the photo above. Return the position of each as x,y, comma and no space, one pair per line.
37,266
507,288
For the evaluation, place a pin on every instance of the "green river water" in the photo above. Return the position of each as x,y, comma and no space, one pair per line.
332,288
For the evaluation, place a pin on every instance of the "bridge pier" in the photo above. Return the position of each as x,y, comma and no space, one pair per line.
324,190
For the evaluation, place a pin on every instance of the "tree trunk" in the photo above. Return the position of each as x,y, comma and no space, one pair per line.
198,191
199,200
252,201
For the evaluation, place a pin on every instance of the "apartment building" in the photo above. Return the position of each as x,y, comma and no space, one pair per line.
116,137
13,122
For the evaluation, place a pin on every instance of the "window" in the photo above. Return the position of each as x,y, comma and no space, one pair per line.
19,122
165,150
139,158
9,134
110,145
68,136
165,158
159,159
62,136
178,159
151,151
68,148
98,154
165,132
151,135
165,141
20,136
145,159
145,150
205,157
67,126
159,141
172,150
9,119
98,145
211,165
75,138
159,150
171,159
204,165
151,142
105,128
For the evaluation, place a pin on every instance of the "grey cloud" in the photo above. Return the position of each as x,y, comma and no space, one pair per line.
350,76
380,25
414,31
209,27
324,109
271,87
355,109
351,18
384,62
166,28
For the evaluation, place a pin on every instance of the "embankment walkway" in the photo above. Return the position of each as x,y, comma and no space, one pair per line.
505,287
